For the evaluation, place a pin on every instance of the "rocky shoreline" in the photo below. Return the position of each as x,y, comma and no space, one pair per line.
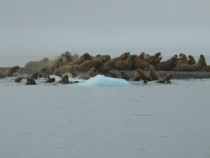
176,74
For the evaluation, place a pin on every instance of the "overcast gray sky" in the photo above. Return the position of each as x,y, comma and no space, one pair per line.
51,27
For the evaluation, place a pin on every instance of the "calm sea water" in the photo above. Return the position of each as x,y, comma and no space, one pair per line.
92,120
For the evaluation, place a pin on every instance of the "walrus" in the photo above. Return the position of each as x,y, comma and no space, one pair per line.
52,67
125,75
125,64
50,80
113,75
87,56
150,58
72,75
104,69
153,74
206,68
34,75
200,63
105,58
92,72
9,72
30,81
165,79
182,64
136,78
37,65
167,65
140,62
144,76
67,59
64,80
110,63
77,62
157,60
191,60
87,65
63,69
19,79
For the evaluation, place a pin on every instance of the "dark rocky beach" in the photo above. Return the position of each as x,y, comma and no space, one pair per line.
176,74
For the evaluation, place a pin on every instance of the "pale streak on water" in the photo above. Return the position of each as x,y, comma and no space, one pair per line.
152,120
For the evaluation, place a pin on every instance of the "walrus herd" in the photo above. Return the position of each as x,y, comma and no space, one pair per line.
86,66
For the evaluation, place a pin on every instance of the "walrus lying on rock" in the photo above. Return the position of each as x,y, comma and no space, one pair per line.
91,73
126,64
183,64
200,63
87,65
206,68
65,69
53,66
167,65
9,72
110,63
191,60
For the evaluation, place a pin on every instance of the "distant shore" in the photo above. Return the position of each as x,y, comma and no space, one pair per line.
176,74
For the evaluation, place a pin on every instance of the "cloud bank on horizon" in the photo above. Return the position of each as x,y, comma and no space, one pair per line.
104,27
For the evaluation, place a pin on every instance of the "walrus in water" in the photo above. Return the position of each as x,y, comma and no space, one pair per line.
9,72
50,80
191,60
30,81
153,74
167,65
200,63
72,75
125,64
182,64
34,75
19,79
64,80
136,78
165,79
144,76
125,76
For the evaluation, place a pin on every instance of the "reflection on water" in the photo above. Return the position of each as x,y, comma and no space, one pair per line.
55,120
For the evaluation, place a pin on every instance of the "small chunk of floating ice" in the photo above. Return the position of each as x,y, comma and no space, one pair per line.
101,80
141,114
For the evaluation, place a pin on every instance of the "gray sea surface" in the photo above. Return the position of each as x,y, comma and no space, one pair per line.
92,120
